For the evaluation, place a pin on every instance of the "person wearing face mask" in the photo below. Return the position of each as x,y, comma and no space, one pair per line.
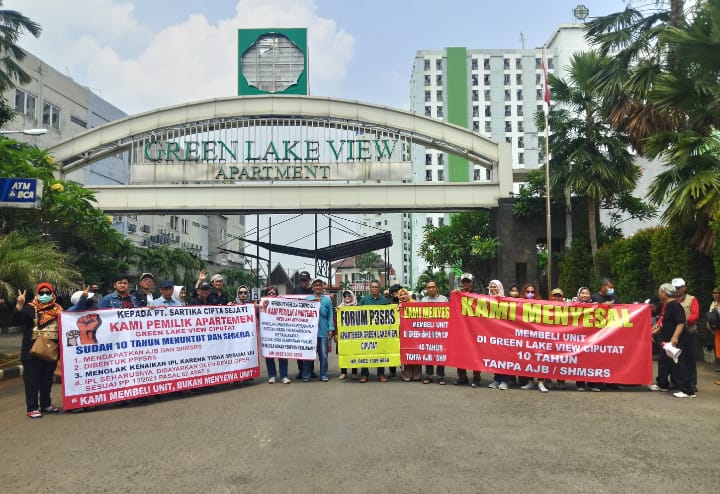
411,372
500,381
583,297
513,291
530,291
466,286
606,294
40,316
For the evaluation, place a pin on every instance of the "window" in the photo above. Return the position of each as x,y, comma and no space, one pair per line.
476,111
538,78
476,126
486,79
427,64
538,63
428,221
519,110
428,175
427,96
184,223
518,95
476,174
487,111
508,110
438,95
521,158
475,95
428,159
441,221
508,126
441,175
441,160
174,222
438,64
540,108
506,63
506,79
521,127
438,80
488,127
486,94
24,103
440,111
428,112
538,94
78,121
474,64
486,64
521,142
51,115
474,79
427,80
508,139
550,64
518,79
518,63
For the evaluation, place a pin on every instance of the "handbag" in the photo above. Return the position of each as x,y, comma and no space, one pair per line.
44,349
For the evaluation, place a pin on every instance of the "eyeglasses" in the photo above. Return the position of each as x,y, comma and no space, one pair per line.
44,293
243,292
716,293
270,293
556,295
529,291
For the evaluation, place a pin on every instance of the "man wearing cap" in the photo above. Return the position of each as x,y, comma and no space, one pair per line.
144,293
304,288
557,295
466,286
120,298
202,294
325,330
692,314
166,299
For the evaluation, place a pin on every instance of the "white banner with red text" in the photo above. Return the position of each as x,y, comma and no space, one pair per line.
288,328
119,354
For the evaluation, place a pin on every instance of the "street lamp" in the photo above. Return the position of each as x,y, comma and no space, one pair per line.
27,132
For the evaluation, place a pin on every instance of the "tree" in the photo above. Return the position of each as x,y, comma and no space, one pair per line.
467,243
370,262
12,26
27,260
440,277
588,156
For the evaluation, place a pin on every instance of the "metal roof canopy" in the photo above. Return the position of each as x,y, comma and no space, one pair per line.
334,252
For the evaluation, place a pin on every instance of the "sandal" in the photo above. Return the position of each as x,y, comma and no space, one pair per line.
427,380
34,414
441,381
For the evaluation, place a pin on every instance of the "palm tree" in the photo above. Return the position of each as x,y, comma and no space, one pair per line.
25,261
588,157
12,25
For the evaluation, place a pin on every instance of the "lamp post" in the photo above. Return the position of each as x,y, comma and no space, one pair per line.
27,132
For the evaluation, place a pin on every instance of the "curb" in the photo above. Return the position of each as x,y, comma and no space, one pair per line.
10,372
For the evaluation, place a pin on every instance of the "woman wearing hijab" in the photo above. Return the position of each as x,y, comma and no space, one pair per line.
500,381
349,299
179,295
37,317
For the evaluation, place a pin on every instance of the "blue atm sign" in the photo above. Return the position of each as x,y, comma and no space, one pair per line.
20,192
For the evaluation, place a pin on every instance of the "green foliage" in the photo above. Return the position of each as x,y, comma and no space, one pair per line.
575,268
630,264
715,225
27,260
670,255
370,262
234,278
441,279
12,26
166,263
531,203
466,243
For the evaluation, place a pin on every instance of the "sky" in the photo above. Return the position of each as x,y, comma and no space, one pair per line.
145,54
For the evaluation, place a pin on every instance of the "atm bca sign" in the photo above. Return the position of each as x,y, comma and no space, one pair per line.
21,193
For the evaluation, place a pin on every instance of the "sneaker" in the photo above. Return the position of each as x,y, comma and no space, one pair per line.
34,414
595,388
494,385
306,380
530,385
271,380
324,379
51,409
680,394
342,377
286,380
580,388
542,388
503,386
655,387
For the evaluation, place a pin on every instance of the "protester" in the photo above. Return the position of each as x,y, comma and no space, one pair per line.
434,297
713,322
393,299
466,286
179,295
692,314
243,295
144,293
514,291
672,330
557,295
325,328
120,297
217,295
202,296
606,294
411,372
373,298
584,297
83,300
272,291
348,300
38,317
529,291
167,288
500,381
304,288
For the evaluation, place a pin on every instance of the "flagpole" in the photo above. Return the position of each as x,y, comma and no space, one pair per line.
548,220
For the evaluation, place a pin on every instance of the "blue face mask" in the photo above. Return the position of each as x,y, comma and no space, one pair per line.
44,299
610,291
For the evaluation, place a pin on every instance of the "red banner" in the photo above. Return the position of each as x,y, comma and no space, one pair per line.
424,333
534,338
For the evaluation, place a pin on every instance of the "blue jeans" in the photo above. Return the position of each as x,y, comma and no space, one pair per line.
270,364
322,351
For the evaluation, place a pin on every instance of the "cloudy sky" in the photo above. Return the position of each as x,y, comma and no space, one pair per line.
146,54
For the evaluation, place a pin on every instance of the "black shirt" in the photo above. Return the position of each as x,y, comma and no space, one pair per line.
673,315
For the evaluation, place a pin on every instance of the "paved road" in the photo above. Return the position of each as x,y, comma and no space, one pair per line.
350,437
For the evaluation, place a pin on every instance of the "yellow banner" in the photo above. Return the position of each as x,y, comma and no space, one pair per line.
368,336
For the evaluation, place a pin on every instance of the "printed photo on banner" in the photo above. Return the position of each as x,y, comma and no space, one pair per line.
115,355
368,336
288,328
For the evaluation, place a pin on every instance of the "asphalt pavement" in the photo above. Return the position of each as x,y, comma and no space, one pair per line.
376,437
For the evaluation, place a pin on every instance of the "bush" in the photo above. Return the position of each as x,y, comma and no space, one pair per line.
576,268
630,265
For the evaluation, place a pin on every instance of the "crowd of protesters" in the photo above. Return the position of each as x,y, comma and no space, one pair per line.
675,317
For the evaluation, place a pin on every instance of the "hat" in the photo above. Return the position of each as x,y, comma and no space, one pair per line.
304,275
42,285
146,275
557,291
75,297
678,282
466,276
316,280
216,277
167,284
395,288
204,286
